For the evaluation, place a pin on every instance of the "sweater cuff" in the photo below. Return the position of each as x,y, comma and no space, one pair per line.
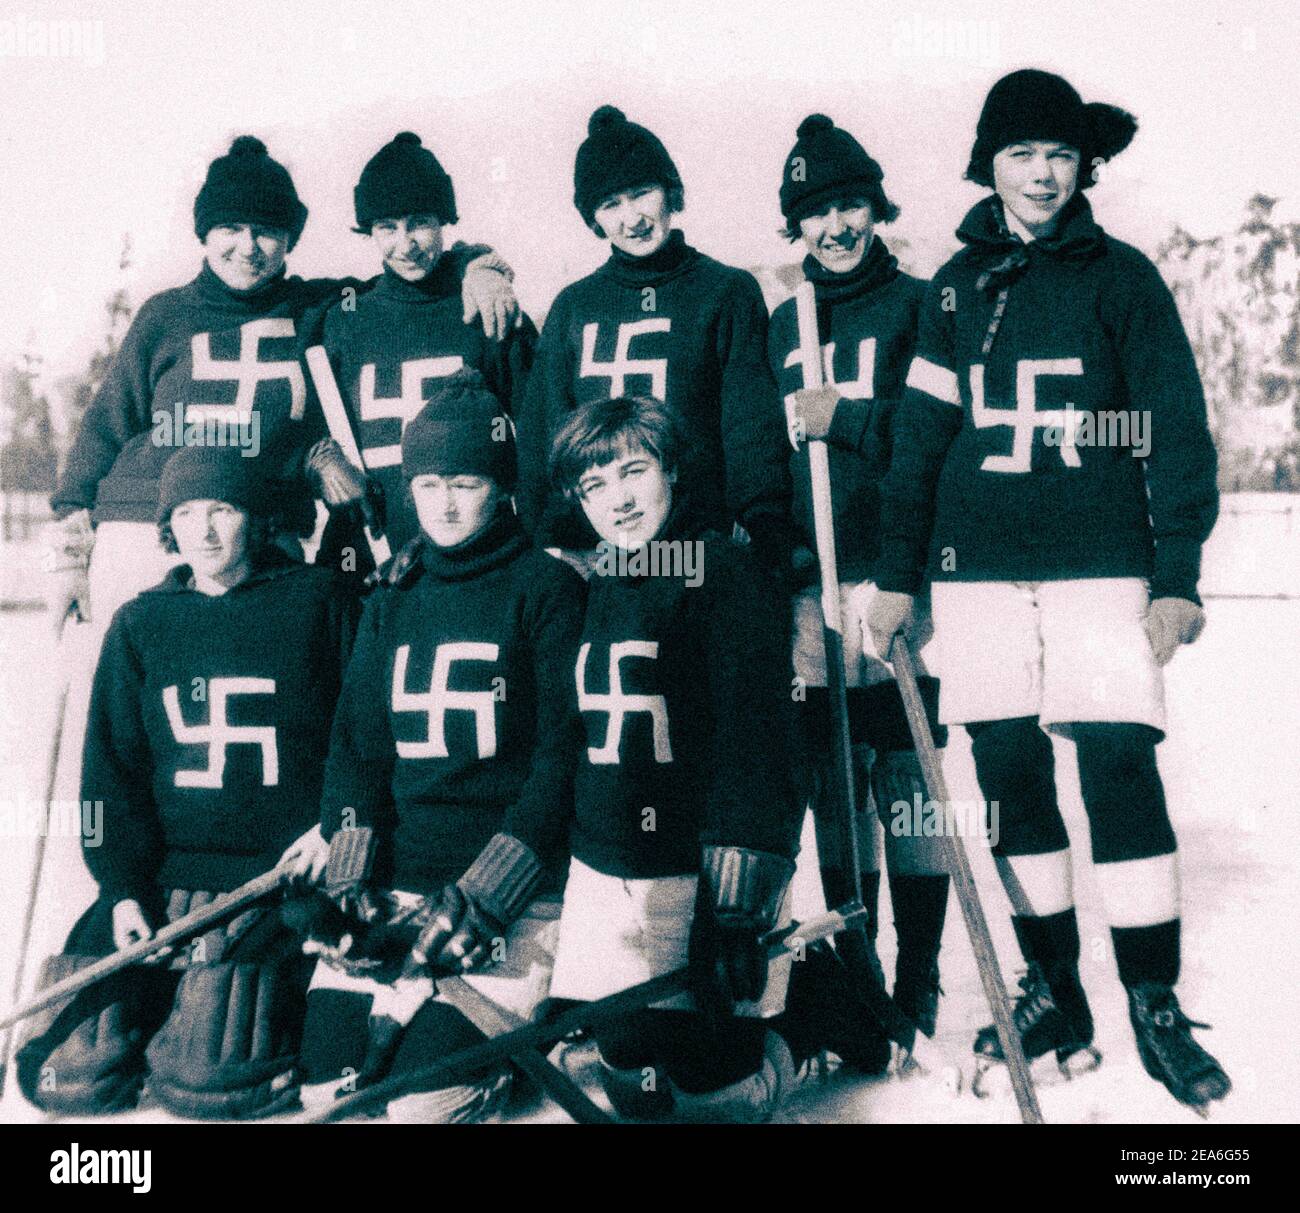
849,423
504,877
896,573
1177,569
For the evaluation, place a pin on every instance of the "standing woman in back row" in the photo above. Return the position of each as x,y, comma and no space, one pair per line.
1064,569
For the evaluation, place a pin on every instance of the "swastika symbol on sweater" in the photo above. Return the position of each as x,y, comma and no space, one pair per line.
439,699
623,364
861,388
619,704
247,371
403,407
1025,418
218,733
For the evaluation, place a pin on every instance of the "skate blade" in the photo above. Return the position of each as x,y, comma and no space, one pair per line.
992,1077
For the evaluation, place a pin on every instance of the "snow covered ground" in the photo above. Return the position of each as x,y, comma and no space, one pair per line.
1232,770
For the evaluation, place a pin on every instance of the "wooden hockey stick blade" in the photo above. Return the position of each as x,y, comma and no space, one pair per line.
340,428
963,881
173,933
494,1020
583,1016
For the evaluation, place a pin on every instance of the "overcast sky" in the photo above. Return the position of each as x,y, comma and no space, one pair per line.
117,137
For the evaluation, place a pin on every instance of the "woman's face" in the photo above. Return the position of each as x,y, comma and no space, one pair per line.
636,221
213,539
453,509
410,245
1035,179
839,233
245,255
627,500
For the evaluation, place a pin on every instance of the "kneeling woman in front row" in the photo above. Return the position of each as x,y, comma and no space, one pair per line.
686,821
208,729
454,743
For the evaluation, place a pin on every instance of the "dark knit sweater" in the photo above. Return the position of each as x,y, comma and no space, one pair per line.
686,329
439,765
262,662
388,353
218,353
866,320
688,725
1007,332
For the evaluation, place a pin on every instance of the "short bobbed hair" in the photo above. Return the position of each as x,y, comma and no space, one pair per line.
601,431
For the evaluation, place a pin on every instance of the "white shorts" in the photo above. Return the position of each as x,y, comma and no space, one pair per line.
862,665
1064,651
616,933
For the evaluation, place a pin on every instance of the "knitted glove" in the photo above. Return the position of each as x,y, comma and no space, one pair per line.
1171,622
69,542
486,292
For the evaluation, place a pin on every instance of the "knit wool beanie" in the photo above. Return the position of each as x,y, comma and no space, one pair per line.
211,473
247,186
403,178
462,429
1032,104
825,161
618,155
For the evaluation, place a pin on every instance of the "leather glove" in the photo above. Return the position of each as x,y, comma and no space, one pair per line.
1171,622
337,483
69,542
468,917
739,901
396,570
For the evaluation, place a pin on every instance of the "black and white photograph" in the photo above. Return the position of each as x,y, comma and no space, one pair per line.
674,565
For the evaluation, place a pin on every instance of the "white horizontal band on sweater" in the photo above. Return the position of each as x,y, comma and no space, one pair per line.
933,380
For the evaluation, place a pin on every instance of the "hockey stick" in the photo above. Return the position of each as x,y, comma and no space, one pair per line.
340,428
584,1016
963,881
494,1020
895,1024
38,866
174,932
810,357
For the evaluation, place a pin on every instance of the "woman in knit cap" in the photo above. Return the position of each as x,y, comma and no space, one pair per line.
410,332
1064,549
454,742
661,319
209,725
832,198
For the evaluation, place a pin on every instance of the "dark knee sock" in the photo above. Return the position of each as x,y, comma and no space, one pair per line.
1148,953
920,905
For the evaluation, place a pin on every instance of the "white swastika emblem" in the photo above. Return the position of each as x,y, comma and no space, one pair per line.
619,704
403,407
218,733
622,365
247,371
436,702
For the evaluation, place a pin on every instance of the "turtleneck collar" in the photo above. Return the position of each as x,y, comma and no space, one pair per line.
495,545
877,267
258,300
673,257
438,283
